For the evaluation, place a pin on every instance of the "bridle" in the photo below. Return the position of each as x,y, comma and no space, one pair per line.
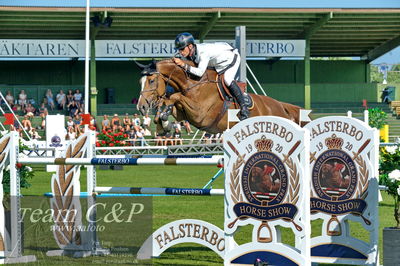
167,80
159,97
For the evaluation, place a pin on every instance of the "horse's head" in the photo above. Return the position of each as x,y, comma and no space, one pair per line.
155,77
152,87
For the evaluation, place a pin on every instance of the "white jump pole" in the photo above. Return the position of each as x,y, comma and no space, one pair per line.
214,160
15,193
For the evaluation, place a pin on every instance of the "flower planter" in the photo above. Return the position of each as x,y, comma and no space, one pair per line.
391,246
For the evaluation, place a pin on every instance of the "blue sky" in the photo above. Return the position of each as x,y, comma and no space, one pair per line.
390,58
213,3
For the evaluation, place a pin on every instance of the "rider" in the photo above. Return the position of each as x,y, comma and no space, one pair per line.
219,55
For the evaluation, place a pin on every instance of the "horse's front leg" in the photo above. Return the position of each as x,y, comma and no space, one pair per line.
189,107
158,112
166,112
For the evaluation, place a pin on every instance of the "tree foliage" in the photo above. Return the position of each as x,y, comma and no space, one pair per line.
393,75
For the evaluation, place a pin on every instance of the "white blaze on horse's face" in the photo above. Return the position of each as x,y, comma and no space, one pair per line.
142,84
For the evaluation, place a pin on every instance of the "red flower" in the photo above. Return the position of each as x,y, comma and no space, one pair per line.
125,135
97,144
111,144
103,142
109,131
19,165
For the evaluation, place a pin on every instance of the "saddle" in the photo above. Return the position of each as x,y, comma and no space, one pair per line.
226,95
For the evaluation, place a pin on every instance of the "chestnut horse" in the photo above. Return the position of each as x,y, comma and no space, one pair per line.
198,100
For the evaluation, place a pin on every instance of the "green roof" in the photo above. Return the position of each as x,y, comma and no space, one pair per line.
367,33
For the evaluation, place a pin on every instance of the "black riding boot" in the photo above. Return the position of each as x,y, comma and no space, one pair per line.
237,93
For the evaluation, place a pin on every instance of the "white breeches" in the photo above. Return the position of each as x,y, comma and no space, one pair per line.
231,72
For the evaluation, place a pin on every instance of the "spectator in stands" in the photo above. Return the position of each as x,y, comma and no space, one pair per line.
16,126
177,125
26,123
22,99
158,139
71,134
70,96
136,122
92,123
78,97
178,136
61,99
81,109
30,110
187,127
115,123
206,138
70,123
34,134
50,100
127,121
73,109
127,128
168,140
43,122
10,98
140,138
146,124
105,124
131,137
77,121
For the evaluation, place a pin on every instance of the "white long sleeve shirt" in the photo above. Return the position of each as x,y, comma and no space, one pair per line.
218,55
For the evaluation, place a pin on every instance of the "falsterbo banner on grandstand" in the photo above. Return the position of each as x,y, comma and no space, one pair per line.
136,48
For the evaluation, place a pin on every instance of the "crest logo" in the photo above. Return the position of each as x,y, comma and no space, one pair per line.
336,185
264,178
265,184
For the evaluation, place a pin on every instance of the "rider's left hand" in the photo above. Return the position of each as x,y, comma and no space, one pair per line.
179,62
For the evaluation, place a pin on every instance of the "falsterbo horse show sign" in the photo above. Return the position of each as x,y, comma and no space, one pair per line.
344,170
277,175
266,186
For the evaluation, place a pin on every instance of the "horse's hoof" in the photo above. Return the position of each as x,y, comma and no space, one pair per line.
164,116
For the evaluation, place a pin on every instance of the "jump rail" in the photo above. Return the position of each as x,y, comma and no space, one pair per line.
161,191
214,160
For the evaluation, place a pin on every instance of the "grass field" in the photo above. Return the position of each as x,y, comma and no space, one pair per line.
170,208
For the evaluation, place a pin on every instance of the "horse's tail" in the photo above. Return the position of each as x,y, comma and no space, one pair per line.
293,111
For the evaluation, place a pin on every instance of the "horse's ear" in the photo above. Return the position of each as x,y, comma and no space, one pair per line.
153,64
141,66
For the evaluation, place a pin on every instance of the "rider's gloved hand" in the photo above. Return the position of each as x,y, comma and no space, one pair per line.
179,62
